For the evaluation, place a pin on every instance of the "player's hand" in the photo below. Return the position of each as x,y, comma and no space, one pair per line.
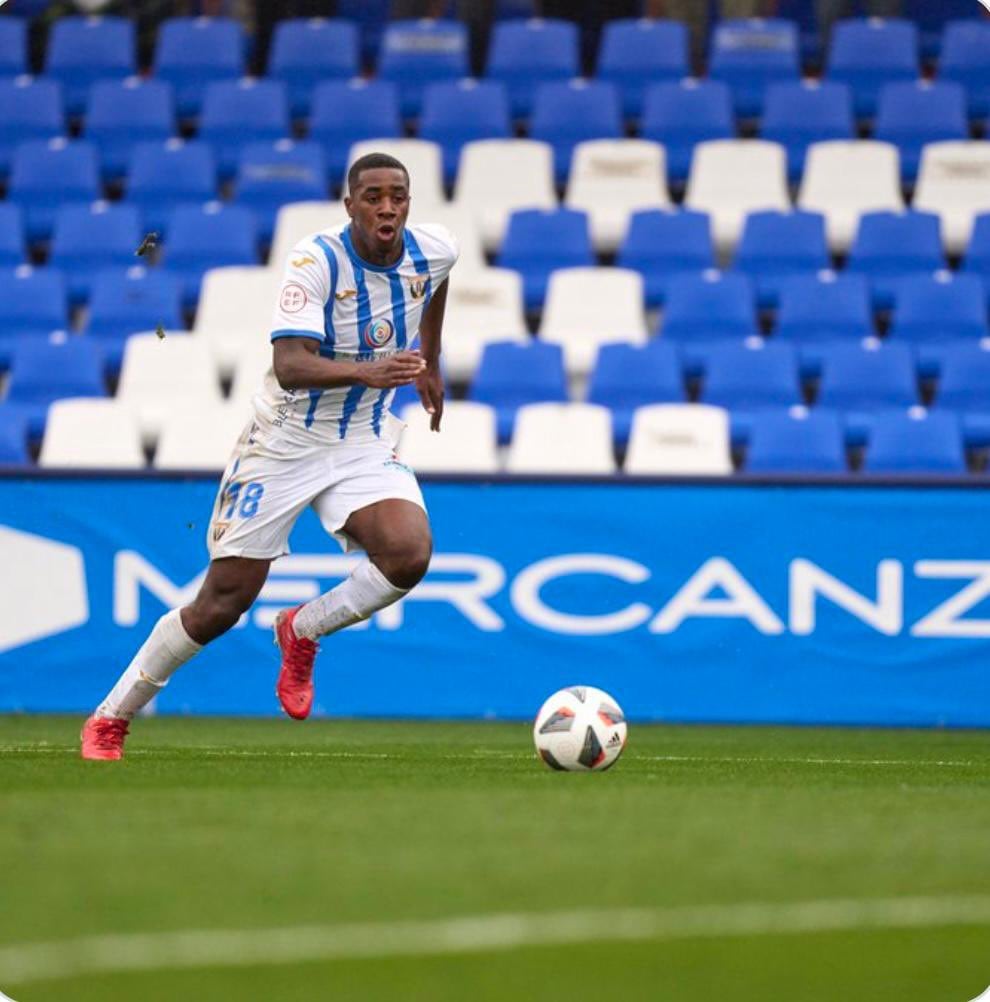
399,369
430,387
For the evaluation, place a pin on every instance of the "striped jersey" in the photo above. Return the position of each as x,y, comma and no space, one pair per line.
358,311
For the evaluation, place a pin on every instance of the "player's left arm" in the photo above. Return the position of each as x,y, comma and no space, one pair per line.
430,383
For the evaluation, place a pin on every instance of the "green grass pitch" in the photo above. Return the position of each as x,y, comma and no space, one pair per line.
745,864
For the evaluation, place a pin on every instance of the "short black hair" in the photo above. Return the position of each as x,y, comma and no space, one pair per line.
368,162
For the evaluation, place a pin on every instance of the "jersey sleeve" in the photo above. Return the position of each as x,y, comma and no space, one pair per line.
302,295
442,251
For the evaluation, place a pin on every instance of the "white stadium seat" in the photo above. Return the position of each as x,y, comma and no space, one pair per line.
589,307
252,365
954,183
562,438
465,443
845,178
612,178
679,439
199,439
235,311
497,176
420,157
91,433
298,220
160,374
482,306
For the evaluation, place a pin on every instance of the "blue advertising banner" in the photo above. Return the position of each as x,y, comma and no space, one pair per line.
712,602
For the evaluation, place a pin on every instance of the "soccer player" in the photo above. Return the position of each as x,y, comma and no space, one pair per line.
352,302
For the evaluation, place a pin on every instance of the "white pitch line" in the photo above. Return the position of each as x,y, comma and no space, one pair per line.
190,949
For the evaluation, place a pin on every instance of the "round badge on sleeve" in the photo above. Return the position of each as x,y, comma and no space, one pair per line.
293,298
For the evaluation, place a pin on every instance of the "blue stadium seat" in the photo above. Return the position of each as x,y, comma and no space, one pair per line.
977,257
511,375
207,236
933,309
628,376
965,59
931,19
30,109
460,112
637,52
47,175
796,440
13,247
709,307
88,238
271,175
524,54
751,375
912,114
345,113
799,113
370,16
416,53
891,247
164,175
34,302
82,50
775,245
867,377
565,114
125,302
915,442
238,112
661,244
43,371
122,113
680,115
964,378
195,51
868,53
13,427
749,55
537,241
306,51
13,47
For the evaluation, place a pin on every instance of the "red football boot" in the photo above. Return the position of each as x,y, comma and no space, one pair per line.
103,738
294,687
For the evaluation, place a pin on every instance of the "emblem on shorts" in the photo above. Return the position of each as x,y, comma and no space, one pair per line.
378,333
417,288
219,528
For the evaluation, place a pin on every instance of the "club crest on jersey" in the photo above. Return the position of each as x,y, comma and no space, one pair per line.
417,288
378,333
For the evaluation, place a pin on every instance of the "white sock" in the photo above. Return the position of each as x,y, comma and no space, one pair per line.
366,591
167,648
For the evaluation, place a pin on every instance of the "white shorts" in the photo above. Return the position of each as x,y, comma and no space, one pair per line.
261,497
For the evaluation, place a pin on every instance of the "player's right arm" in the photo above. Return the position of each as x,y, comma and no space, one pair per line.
299,366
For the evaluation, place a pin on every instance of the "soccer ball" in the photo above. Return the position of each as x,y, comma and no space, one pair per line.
580,729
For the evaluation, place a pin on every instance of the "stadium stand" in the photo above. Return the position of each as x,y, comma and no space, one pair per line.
85,433
13,247
751,375
30,109
867,377
679,439
468,444
977,258
569,438
964,58
13,47
940,307
915,441
416,53
13,436
954,183
710,306
796,440
422,159
199,438
163,176
34,302
298,220
964,378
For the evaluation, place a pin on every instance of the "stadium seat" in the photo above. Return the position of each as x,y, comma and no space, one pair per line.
796,440
270,175
122,113
710,306
660,245
423,160
751,54
498,176
13,47
776,245
298,220
193,52
915,441
462,224
940,307
732,177
566,113
416,53
511,375
867,377
931,20
628,376
13,426
207,236
123,302
34,302
483,305
842,180
165,175
588,307
345,113
681,115
964,58
914,113
868,53
977,259
964,388
84,433
88,238
636,52
573,439
30,109
13,249
751,375
538,241
199,438
610,179
84,50
524,54
467,445
462,111
954,183
307,51
250,367
679,439
158,371
803,112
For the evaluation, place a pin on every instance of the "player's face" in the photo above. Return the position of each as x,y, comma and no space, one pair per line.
378,210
